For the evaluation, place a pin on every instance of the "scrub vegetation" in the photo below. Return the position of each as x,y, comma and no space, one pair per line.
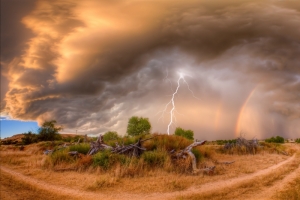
162,175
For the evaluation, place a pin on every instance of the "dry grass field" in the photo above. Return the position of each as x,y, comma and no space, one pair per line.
27,174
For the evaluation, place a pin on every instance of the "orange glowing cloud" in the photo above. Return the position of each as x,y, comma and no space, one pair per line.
93,64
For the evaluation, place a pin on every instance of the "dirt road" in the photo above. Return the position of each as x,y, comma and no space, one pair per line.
50,191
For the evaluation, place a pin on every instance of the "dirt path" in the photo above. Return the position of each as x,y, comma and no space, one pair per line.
269,192
11,189
41,185
214,186
208,187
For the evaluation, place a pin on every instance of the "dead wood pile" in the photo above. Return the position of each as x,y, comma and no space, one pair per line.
187,152
248,146
99,145
130,150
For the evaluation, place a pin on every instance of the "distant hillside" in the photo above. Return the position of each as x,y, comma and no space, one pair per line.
14,139
17,139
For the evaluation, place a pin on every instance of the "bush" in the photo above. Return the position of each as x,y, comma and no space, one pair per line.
222,142
49,145
29,138
102,159
110,136
276,139
155,158
166,142
197,154
297,140
189,134
80,148
272,147
77,138
49,131
61,156
106,160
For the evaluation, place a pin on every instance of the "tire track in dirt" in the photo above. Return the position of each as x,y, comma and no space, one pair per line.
79,194
215,186
41,185
279,185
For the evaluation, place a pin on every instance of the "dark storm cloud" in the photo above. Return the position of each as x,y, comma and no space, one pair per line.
12,42
92,64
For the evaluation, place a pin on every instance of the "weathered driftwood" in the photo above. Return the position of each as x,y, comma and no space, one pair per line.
98,146
78,141
46,152
225,162
131,150
73,153
188,152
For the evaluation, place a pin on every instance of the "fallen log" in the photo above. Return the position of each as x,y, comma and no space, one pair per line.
78,141
73,153
188,152
130,150
225,162
98,145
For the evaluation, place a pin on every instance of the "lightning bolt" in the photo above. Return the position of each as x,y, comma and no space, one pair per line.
172,101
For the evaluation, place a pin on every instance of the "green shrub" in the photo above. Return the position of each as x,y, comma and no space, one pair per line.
106,159
189,134
197,154
166,142
49,145
297,140
80,148
49,131
222,142
77,138
102,159
272,147
110,136
122,159
129,140
29,138
67,139
276,139
155,158
61,156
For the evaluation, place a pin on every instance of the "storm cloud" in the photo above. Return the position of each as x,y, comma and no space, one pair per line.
91,65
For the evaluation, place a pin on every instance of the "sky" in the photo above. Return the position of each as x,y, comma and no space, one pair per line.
12,127
91,65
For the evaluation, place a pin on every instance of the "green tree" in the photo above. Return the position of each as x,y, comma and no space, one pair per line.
110,135
49,131
138,125
189,134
